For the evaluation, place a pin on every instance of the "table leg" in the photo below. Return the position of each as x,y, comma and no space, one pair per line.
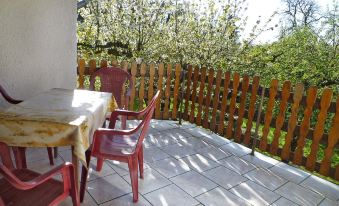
75,162
20,157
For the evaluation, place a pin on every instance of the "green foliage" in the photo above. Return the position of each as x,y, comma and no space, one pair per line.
208,34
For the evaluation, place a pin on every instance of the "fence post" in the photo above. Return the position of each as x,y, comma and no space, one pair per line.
176,91
81,71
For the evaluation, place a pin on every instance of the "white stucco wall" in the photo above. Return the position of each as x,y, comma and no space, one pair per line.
37,46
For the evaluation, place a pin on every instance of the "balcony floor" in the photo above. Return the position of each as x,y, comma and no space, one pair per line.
188,165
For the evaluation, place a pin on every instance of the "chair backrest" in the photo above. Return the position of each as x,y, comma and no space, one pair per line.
112,80
8,98
144,125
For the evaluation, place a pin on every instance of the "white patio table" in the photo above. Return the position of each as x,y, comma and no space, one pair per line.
57,117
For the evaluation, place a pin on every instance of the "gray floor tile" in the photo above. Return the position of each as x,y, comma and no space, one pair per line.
213,153
170,196
260,160
198,132
266,178
322,186
236,149
328,202
215,139
177,133
170,167
121,167
193,142
152,181
193,183
237,164
108,188
88,201
299,194
289,172
254,193
224,177
154,154
220,197
161,140
178,150
127,200
42,165
199,162
283,202
93,174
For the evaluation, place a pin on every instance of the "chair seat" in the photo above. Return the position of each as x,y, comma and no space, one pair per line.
12,196
122,145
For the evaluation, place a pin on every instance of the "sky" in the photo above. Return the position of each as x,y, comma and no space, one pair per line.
265,8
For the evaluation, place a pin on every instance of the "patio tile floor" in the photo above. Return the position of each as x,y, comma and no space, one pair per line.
188,165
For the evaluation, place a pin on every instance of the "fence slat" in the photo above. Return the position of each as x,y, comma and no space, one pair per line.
305,125
114,63
201,95
176,91
245,85
251,110
216,100
292,122
194,92
268,114
151,82
285,94
319,128
124,66
142,86
333,137
168,91
160,87
208,97
229,131
81,71
224,102
103,64
92,66
188,90
133,73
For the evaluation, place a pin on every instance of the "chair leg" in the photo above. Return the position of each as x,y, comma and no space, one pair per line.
20,157
73,190
55,152
84,174
123,122
100,162
50,155
133,170
141,162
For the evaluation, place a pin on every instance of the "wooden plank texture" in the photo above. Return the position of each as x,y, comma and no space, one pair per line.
268,114
285,94
142,86
333,137
208,98
305,125
245,85
194,92
201,95
251,110
160,88
229,131
319,128
216,100
188,90
176,91
168,91
151,82
133,73
224,102
81,71
298,93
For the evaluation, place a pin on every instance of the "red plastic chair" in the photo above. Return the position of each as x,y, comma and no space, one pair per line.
112,80
26,187
10,100
121,145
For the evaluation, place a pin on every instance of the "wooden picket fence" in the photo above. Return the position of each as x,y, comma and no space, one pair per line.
225,103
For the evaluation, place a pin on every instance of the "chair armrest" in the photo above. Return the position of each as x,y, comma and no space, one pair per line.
64,169
105,131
